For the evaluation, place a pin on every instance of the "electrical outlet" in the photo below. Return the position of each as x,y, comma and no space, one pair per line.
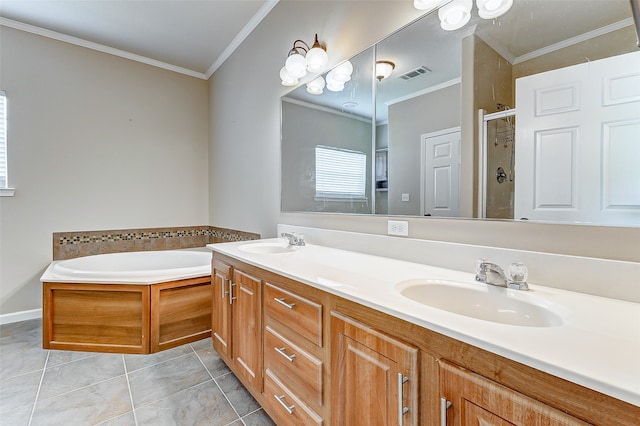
398,227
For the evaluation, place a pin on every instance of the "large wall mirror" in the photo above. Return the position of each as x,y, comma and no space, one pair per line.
533,115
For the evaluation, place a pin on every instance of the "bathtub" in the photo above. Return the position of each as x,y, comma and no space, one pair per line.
134,302
139,267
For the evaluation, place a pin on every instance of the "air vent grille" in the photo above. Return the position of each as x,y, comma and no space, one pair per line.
415,73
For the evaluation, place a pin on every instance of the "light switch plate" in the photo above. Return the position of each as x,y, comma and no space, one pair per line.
405,197
398,227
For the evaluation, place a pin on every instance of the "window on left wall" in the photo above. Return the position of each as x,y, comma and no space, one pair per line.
4,183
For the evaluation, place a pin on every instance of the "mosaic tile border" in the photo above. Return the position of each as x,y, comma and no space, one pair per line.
68,245
82,239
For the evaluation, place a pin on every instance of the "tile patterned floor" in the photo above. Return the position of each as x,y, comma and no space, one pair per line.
188,385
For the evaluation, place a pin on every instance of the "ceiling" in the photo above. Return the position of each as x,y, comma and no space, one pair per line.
193,37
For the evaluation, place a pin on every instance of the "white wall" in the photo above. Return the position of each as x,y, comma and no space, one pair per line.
245,147
408,121
95,142
245,96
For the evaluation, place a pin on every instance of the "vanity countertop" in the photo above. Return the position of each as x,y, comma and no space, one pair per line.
597,346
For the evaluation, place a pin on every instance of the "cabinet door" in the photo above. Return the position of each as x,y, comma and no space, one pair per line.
221,308
247,326
476,400
374,377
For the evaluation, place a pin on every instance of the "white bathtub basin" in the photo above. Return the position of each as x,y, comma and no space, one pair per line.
131,267
485,302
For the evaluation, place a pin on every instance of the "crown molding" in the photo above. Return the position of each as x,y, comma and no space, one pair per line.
237,41
574,40
98,47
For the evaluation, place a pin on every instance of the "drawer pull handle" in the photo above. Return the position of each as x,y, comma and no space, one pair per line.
281,301
282,352
444,406
280,399
230,293
402,410
224,282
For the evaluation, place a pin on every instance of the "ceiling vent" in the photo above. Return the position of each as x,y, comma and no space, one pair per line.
415,73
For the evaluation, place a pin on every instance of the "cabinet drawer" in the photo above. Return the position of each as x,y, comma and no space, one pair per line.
287,409
299,314
295,367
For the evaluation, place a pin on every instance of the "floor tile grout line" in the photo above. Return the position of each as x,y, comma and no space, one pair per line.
126,375
146,404
94,354
44,369
218,386
157,363
83,387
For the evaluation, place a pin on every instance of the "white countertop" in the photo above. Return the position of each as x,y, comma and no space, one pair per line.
597,346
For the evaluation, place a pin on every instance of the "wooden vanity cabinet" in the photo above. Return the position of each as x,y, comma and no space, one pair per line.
221,308
294,355
374,376
312,358
470,399
237,320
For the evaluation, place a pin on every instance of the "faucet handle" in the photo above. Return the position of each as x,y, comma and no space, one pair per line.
518,274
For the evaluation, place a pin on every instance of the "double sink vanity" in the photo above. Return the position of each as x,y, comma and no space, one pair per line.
322,335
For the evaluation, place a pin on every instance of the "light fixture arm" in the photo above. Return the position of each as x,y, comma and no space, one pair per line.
302,45
299,44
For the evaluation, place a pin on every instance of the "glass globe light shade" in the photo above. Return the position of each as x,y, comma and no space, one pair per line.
426,4
342,73
455,15
489,9
332,84
317,59
315,86
296,65
287,79
384,69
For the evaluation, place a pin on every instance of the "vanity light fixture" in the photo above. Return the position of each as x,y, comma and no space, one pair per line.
455,15
427,4
337,77
315,86
302,58
384,69
489,9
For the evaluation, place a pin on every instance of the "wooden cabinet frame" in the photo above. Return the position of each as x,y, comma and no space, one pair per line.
125,318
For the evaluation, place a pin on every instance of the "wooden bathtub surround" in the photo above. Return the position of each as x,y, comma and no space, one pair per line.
328,360
126,318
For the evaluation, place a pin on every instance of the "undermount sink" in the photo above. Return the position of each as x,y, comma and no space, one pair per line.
485,302
268,247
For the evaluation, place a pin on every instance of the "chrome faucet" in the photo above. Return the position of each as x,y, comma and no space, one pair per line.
294,238
490,273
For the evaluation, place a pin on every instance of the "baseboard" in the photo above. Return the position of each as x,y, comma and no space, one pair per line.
20,316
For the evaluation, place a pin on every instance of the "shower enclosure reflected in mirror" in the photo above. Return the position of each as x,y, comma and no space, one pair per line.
425,151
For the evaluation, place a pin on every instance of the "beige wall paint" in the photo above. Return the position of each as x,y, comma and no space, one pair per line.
95,142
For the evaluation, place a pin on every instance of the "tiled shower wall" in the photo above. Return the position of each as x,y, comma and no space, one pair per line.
68,245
